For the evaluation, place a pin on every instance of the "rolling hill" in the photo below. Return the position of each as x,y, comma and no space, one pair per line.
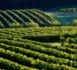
25,18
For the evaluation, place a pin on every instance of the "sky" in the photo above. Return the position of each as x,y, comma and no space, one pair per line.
39,4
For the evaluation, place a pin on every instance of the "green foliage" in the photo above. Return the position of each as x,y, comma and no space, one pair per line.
56,23
1,25
15,25
20,48
30,24
74,22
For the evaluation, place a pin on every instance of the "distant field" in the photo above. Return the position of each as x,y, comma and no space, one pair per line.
72,9
29,48
65,18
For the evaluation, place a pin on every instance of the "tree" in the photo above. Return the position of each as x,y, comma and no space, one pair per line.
74,22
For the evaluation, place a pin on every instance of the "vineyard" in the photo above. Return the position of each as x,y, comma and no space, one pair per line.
25,18
28,48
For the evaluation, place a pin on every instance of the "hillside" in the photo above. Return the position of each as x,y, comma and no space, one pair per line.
27,48
25,18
